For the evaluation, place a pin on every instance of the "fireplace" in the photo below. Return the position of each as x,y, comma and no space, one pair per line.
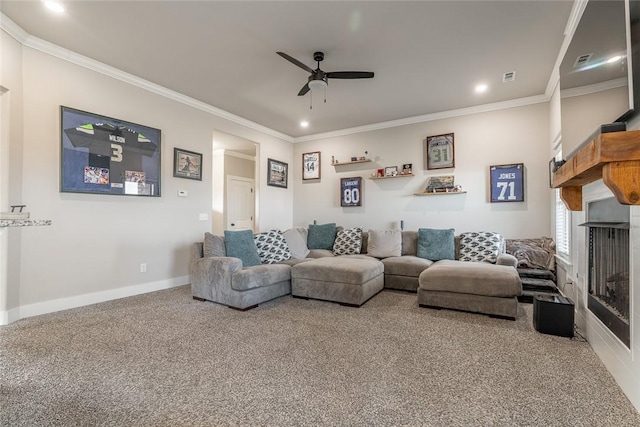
608,265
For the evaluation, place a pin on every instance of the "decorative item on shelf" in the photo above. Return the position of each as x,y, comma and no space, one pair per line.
333,159
439,151
311,165
365,157
391,171
554,165
380,173
354,159
442,184
507,183
15,214
407,169
277,173
351,192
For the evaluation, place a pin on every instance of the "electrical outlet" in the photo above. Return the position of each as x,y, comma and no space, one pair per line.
143,268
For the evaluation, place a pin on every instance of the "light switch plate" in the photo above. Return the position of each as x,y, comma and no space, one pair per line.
204,217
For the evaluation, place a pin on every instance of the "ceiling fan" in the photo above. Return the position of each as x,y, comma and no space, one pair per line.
318,78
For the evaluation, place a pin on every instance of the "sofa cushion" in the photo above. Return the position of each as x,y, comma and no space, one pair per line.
435,244
348,241
213,246
384,243
471,278
240,244
321,236
406,265
259,276
272,247
297,243
480,246
409,242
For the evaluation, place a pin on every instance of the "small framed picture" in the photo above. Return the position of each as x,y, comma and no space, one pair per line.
351,192
311,165
507,183
391,171
439,151
187,164
277,173
407,169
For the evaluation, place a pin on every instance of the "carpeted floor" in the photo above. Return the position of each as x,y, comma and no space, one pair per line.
164,359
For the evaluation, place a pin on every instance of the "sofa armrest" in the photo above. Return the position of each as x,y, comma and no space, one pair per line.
211,277
507,259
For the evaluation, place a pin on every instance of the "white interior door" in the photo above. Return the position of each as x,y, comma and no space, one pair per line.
240,203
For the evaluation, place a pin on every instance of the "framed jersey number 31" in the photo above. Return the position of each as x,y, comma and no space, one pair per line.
507,183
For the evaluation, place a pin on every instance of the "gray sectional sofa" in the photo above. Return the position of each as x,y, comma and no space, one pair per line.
348,279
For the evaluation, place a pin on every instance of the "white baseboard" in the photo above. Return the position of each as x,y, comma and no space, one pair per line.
52,306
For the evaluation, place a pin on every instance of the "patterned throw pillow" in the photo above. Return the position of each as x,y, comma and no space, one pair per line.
348,242
480,246
272,247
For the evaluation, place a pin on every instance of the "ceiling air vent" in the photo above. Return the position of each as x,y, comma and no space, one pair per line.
508,76
582,60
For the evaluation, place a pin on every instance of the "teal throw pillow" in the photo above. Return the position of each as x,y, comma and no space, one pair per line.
435,244
321,236
240,244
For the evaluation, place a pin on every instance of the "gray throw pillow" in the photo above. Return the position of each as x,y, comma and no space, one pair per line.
297,244
435,244
213,246
321,236
384,243
240,244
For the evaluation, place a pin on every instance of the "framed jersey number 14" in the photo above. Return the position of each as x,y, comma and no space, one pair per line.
507,183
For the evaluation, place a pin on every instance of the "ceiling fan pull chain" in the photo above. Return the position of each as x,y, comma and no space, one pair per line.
325,94
311,100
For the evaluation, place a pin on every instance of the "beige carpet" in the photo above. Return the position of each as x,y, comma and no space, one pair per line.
163,359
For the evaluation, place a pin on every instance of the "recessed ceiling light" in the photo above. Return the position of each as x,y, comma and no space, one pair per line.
304,124
54,6
481,88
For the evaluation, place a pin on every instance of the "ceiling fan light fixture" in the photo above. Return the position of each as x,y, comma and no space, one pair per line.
317,85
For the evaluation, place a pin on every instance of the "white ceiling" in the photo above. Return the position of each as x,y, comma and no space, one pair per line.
427,56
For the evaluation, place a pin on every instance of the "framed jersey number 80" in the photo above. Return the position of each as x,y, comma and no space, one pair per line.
507,183
351,192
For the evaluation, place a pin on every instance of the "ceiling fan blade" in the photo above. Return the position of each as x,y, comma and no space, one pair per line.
304,90
350,75
295,62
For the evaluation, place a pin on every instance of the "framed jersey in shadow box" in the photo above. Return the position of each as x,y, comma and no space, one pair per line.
103,155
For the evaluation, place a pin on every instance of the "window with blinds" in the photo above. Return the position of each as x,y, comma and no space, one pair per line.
562,227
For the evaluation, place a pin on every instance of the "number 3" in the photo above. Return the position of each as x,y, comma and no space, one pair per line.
116,152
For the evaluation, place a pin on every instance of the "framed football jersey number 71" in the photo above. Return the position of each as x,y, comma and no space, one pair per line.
103,155
507,183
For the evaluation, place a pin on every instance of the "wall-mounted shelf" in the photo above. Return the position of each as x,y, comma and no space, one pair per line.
438,193
614,157
407,175
351,163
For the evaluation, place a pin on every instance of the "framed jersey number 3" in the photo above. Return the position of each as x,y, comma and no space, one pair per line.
103,155
507,183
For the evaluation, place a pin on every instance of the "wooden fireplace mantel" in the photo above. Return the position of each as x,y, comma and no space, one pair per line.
614,157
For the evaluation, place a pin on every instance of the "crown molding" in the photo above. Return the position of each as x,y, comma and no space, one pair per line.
428,117
43,46
35,43
598,87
